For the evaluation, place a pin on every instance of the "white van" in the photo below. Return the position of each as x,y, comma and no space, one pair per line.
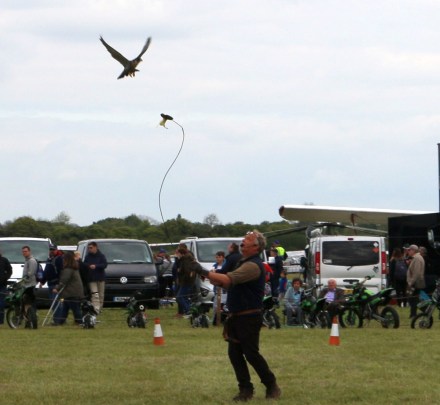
347,259
204,250
11,249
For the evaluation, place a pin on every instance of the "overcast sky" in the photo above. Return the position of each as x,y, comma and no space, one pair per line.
282,102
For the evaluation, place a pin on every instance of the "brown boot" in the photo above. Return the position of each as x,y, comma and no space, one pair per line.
273,392
245,394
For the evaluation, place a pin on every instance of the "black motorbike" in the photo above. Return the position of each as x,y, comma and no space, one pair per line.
363,306
270,317
314,309
425,319
136,315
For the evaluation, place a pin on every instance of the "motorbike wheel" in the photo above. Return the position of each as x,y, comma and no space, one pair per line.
422,321
276,319
391,317
88,321
32,320
140,320
350,318
14,318
323,320
204,321
268,320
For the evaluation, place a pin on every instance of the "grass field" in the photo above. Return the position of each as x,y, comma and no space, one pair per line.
113,364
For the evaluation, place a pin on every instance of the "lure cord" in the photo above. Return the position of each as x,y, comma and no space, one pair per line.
165,176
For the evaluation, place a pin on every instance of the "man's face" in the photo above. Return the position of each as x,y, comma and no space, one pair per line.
249,245
92,249
296,285
26,252
332,284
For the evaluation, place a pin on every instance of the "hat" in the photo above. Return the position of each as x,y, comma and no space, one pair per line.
276,242
406,246
414,247
52,247
162,251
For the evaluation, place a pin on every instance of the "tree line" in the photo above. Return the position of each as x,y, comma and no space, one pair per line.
62,232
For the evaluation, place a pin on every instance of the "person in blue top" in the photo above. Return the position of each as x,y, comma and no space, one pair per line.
242,328
96,262
292,302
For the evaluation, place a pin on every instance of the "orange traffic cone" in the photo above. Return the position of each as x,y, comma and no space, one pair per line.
334,334
158,339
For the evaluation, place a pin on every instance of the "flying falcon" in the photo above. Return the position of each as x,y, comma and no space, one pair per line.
129,65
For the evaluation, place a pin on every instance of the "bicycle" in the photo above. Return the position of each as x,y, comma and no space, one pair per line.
17,316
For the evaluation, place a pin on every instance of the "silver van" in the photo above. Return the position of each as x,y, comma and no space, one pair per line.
347,259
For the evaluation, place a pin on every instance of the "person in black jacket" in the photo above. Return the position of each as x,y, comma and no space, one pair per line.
96,262
5,275
231,259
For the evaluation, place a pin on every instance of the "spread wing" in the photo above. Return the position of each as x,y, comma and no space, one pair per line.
121,59
144,49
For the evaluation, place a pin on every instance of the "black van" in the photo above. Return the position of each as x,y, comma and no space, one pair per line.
130,268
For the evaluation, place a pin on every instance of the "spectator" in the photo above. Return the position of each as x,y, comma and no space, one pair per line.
292,303
186,278
242,329
165,270
232,258
281,251
5,275
415,278
334,297
52,271
220,294
96,262
84,273
398,272
29,278
276,263
71,290
282,286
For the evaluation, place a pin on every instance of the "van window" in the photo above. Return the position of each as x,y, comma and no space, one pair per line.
350,253
206,250
121,252
11,249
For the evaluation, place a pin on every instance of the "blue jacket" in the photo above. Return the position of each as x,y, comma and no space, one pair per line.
100,261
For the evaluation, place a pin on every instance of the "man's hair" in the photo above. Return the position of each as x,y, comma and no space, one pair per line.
220,253
26,247
234,247
260,240
92,244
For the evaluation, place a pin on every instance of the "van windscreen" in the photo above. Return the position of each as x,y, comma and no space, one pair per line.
350,253
11,249
122,252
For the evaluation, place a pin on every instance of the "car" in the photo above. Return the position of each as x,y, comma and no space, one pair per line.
293,262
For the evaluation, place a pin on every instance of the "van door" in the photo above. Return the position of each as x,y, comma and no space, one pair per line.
350,259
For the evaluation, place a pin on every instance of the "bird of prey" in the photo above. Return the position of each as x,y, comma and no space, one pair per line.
129,65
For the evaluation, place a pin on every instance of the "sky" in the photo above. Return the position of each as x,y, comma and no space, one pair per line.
328,102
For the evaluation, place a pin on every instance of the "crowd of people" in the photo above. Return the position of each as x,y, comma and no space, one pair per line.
69,279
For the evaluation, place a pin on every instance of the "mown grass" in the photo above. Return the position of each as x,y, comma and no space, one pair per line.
113,364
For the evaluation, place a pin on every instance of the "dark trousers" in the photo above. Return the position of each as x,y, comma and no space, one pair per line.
413,301
244,334
3,292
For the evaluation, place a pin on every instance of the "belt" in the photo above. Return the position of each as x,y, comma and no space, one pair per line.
246,312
